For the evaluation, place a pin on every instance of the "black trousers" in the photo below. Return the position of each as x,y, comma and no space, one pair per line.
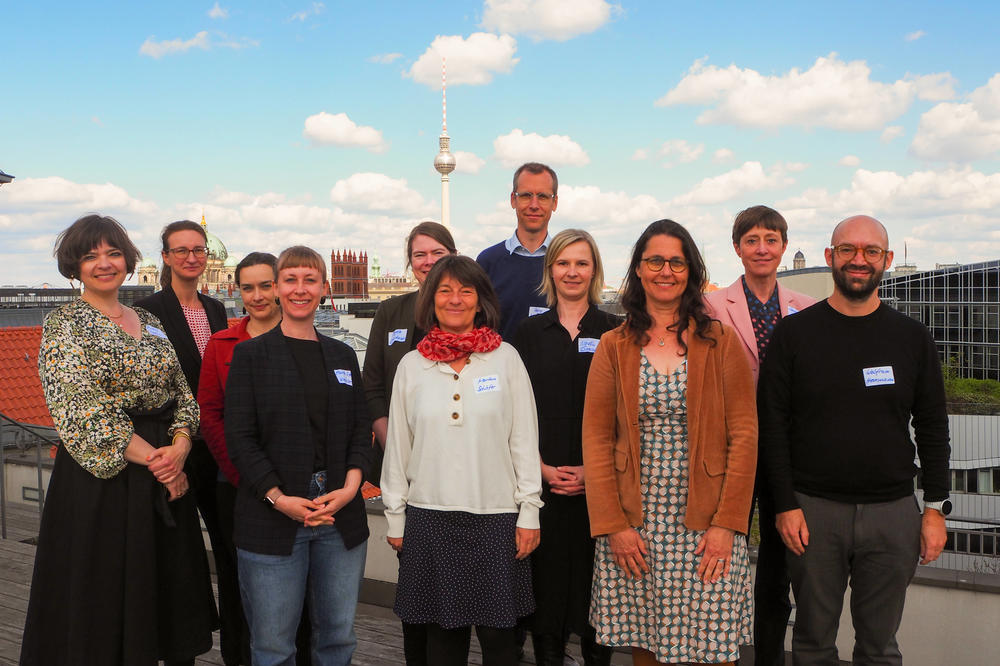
450,647
772,606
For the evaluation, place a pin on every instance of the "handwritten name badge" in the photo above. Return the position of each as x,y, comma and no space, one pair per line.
587,345
152,330
399,335
344,377
535,310
880,376
488,384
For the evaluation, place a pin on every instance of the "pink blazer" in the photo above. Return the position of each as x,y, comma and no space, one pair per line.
729,305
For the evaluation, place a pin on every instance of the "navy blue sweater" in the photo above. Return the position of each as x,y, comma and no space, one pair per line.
516,279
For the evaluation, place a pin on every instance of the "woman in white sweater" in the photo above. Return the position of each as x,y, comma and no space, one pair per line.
461,479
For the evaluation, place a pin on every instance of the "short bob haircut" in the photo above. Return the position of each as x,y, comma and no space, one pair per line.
433,230
168,231
257,259
759,216
86,234
299,256
469,274
692,306
537,168
560,242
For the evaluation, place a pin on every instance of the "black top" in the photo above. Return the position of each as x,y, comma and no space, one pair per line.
312,370
836,396
393,334
558,368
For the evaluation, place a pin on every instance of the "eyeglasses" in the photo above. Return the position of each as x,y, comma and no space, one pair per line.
543,197
677,264
183,252
847,252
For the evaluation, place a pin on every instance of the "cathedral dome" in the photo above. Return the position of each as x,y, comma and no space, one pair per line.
216,250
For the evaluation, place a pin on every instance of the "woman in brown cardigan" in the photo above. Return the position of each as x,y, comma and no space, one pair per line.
669,452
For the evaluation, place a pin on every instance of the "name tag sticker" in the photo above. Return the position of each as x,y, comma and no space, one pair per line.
152,330
535,310
399,335
587,345
344,377
488,384
879,376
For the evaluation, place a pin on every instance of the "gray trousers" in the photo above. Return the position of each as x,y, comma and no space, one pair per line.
875,548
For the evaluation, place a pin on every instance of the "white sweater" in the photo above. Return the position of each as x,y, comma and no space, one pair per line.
462,441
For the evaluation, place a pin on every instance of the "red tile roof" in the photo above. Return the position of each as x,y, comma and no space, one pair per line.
21,395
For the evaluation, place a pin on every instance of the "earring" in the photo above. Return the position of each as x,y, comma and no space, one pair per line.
244,310
322,299
276,301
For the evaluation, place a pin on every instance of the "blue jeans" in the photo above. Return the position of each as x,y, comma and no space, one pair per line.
273,588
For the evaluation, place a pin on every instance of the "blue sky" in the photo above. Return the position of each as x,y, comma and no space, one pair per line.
310,122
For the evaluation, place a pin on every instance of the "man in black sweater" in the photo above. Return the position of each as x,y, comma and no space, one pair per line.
837,392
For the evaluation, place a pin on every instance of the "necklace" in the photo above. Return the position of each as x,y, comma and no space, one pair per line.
121,313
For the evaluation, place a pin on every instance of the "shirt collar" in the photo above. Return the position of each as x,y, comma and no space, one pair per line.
513,245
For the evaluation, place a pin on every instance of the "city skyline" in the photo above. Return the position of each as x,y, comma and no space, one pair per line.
318,123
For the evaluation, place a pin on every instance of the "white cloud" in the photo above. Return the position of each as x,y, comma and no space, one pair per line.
466,162
832,93
680,151
39,194
315,9
157,49
590,205
516,148
384,58
749,177
640,154
338,130
546,19
961,132
915,35
891,133
378,192
722,155
218,12
849,161
471,61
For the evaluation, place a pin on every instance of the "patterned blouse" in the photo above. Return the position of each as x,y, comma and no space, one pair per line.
92,371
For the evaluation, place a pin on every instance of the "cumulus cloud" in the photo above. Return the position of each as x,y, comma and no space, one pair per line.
471,61
378,192
640,154
384,58
336,129
722,155
679,151
849,161
961,132
466,162
891,133
202,40
516,148
38,194
588,204
218,12
749,177
546,19
915,35
315,9
832,93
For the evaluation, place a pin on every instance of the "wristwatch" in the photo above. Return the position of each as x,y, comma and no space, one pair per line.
943,506
273,501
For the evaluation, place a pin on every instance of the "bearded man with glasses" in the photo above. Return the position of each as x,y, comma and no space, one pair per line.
515,266
838,389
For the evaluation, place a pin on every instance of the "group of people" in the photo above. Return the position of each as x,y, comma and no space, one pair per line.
545,466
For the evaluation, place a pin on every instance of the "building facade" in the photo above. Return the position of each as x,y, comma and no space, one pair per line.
348,274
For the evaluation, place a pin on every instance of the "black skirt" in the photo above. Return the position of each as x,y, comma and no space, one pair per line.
121,575
458,569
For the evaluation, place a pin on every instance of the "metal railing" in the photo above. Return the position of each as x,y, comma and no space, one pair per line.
38,440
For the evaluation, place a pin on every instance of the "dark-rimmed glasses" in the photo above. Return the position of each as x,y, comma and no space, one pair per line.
847,252
183,252
656,263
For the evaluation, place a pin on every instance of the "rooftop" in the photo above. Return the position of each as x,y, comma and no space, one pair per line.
21,395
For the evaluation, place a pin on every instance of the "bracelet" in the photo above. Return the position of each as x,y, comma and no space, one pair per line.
179,433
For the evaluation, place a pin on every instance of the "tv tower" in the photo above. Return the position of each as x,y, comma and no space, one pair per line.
445,161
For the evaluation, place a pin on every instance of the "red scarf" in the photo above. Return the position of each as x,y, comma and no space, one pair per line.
440,346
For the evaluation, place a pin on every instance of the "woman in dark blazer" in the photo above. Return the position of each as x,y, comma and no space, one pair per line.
298,432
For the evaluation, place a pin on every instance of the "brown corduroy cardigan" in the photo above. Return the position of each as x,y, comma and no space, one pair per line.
722,433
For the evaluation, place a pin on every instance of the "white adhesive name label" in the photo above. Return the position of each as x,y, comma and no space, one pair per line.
587,345
344,377
399,335
152,330
536,310
879,376
488,384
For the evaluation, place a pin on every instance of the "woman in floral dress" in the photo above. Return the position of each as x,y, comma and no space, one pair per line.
120,575
669,453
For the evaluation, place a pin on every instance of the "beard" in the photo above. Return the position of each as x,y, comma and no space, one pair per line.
856,289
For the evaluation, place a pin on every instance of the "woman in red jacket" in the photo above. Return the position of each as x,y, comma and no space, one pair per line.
255,276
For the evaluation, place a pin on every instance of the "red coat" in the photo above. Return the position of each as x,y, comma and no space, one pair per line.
212,393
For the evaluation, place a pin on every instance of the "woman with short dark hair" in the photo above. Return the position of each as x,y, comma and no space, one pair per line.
461,478
121,575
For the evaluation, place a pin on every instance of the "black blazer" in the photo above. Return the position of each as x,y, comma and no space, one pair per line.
270,441
167,308
382,359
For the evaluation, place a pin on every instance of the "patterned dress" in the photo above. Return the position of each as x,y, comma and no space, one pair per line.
669,611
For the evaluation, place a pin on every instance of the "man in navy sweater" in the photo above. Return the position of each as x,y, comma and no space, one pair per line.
838,389
515,265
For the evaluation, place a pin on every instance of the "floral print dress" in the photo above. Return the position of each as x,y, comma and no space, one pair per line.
669,611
